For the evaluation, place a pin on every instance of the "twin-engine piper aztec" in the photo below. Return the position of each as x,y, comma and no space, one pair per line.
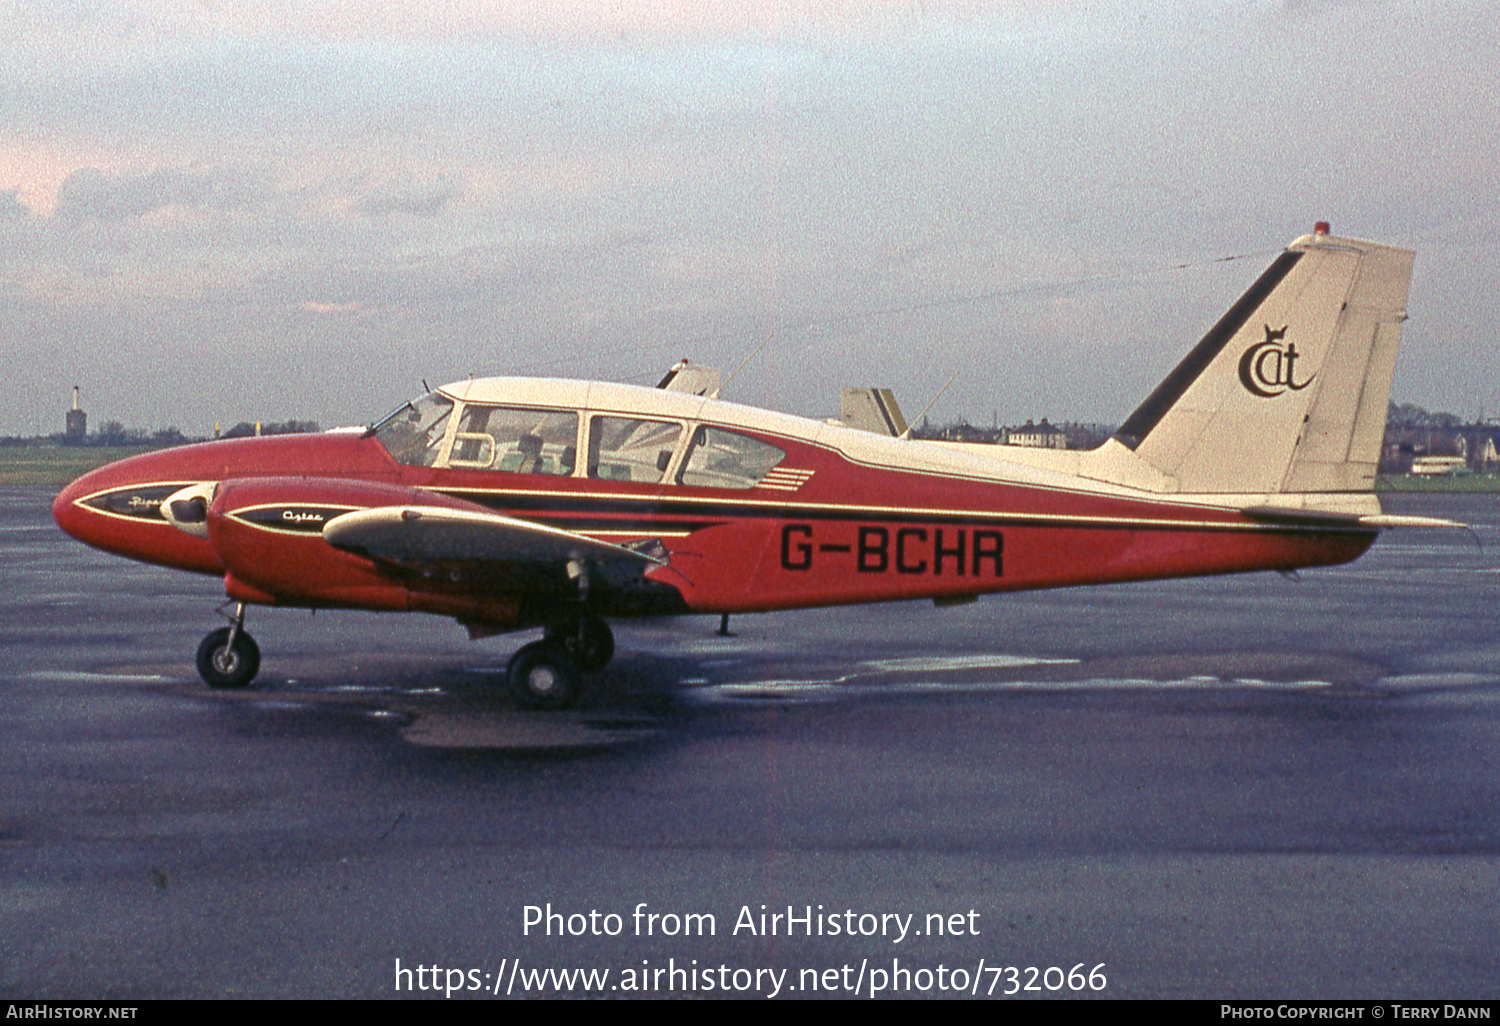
512,503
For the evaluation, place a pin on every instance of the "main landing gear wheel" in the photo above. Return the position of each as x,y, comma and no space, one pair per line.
588,640
543,675
228,663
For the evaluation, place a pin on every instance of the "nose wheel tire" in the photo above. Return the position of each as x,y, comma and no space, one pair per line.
225,665
543,675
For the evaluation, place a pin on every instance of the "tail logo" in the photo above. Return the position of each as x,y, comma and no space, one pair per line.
1268,368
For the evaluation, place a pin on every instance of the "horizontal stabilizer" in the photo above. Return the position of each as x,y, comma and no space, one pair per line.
1329,518
1383,520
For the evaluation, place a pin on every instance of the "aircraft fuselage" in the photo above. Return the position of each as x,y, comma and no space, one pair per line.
843,517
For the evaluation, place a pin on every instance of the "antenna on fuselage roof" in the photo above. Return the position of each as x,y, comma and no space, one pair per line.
769,335
918,419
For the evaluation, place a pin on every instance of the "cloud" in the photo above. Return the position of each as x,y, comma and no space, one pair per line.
416,199
11,207
572,20
329,308
89,194
412,182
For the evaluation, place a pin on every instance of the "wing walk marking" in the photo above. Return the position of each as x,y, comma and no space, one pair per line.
590,502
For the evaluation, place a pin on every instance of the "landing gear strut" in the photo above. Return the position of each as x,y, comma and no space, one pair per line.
229,657
545,674
588,640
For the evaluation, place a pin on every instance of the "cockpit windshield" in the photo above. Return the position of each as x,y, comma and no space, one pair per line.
414,433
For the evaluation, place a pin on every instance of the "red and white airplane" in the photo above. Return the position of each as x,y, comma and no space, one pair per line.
511,503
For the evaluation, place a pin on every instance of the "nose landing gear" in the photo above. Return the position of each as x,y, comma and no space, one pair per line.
229,657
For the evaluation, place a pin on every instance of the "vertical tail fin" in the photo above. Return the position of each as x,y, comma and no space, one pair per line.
1288,391
872,409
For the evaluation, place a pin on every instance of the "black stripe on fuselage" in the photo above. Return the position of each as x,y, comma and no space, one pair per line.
647,515
1150,412
614,512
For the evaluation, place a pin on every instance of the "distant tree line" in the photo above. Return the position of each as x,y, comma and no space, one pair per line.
1402,419
112,434
1410,417
244,429
1078,435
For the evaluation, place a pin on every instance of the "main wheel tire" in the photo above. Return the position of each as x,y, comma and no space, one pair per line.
543,675
224,666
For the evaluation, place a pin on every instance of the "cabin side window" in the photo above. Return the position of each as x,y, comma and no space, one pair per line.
413,435
516,440
631,449
726,459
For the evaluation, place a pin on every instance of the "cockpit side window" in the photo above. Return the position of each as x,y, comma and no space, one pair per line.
726,459
516,439
413,435
629,449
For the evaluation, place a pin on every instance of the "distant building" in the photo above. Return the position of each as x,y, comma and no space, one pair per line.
1037,436
1412,435
77,424
1439,466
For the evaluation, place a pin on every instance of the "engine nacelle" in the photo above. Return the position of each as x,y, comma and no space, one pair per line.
268,534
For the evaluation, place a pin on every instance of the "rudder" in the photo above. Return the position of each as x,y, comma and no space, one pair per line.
1288,391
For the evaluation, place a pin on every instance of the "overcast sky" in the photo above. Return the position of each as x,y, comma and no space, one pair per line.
224,210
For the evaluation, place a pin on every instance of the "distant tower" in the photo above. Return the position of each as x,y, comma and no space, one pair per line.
77,424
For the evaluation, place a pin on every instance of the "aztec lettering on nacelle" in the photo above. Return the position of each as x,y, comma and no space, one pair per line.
903,550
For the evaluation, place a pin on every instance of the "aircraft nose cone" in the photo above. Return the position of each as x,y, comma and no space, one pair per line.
117,509
66,512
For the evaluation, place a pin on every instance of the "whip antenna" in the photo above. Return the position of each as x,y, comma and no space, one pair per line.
769,335
918,418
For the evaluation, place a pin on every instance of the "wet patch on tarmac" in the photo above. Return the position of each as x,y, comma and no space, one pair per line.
437,702
426,700
517,731
957,675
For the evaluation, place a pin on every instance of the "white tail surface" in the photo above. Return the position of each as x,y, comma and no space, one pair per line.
1288,392
872,409
692,378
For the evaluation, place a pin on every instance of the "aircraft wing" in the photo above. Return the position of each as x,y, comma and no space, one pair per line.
411,534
